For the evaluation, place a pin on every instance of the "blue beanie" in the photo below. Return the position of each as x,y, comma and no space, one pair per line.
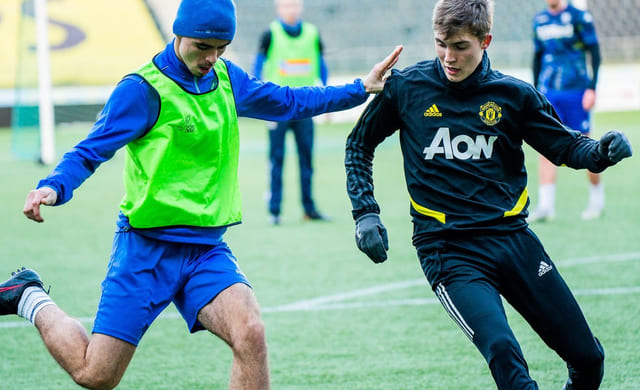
206,19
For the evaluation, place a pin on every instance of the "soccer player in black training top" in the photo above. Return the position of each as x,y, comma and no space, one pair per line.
462,126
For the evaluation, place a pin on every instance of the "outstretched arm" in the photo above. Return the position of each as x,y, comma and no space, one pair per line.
563,146
269,101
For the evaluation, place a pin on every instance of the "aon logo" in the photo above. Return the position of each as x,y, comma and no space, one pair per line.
461,147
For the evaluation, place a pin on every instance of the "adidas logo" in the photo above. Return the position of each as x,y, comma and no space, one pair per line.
433,111
544,268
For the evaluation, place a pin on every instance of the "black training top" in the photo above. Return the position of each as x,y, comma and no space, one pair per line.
462,147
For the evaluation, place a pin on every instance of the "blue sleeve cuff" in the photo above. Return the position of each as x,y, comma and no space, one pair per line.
48,183
359,82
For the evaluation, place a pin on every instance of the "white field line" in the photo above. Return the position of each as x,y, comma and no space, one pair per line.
331,301
600,259
336,301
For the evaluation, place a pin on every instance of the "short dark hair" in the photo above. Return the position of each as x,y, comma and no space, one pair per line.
451,17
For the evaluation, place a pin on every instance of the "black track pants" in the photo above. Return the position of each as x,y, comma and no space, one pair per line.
470,273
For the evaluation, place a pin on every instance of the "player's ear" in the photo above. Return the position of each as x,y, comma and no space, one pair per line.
486,41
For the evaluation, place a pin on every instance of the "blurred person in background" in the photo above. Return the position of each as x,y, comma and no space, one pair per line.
564,37
290,53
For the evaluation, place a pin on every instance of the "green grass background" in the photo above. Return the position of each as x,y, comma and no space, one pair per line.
393,339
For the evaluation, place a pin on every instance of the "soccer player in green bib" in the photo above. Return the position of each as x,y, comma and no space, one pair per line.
177,119
290,53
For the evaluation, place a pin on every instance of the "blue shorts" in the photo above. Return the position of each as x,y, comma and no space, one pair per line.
145,275
568,105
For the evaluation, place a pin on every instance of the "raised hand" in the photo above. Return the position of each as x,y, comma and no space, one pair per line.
374,81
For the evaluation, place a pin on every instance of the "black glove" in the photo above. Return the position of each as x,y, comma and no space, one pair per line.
614,146
371,237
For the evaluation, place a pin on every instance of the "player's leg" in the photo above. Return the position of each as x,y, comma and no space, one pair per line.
535,289
141,280
472,301
277,132
576,117
546,207
303,132
216,296
547,171
95,363
595,205
594,178
234,316
98,362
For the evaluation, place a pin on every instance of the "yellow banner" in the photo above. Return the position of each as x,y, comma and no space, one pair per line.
92,42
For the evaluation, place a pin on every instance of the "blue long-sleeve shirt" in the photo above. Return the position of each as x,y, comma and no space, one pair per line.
562,41
133,108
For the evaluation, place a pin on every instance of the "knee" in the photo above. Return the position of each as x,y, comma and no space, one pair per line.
593,362
250,338
95,381
587,369
590,359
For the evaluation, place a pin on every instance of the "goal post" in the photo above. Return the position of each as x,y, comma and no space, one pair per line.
32,114
45,101
57,72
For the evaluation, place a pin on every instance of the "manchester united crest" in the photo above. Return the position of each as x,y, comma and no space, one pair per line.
490,113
